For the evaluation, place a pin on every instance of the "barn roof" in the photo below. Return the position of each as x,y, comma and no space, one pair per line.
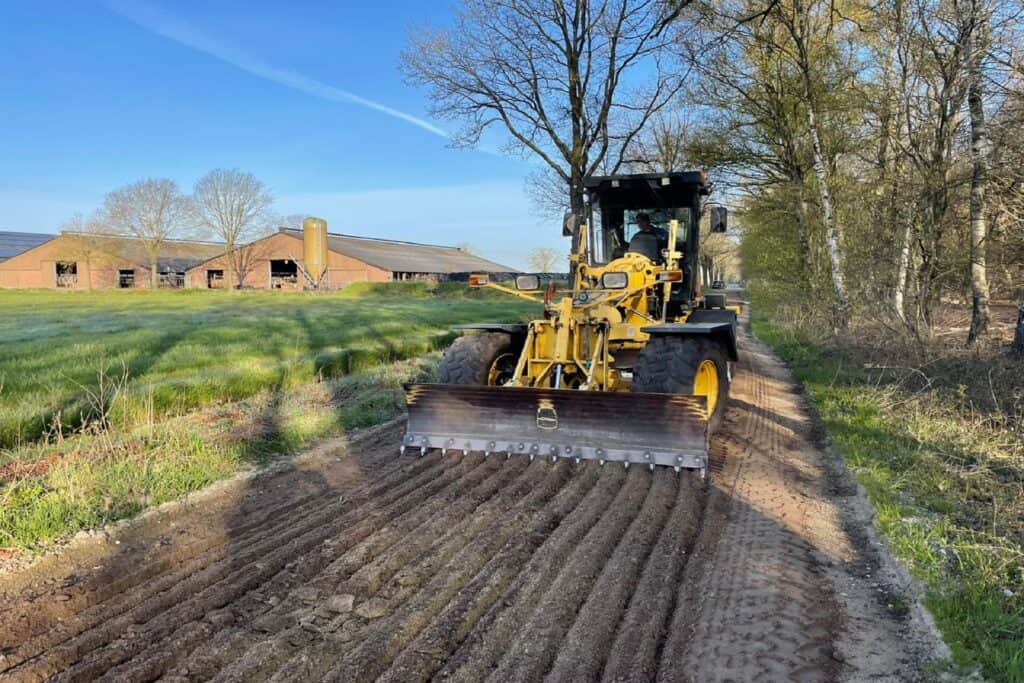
407,257
13,243
176,256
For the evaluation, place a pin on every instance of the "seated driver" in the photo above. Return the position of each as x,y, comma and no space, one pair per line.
649,240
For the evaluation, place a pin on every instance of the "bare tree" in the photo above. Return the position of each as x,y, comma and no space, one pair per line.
663,146
468,248
571,82
543,259
85,241
152,211
234,207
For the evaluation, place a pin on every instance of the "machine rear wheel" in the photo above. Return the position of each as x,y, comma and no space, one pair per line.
685,365
488,358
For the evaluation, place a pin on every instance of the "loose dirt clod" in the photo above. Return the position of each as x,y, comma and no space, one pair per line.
374,566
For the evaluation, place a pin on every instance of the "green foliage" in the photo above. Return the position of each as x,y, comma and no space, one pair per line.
184,350
946,493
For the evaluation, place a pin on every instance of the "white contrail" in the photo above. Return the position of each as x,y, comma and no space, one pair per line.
154,19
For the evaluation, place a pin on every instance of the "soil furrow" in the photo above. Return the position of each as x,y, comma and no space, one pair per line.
378,647
259,567
634,652
427,652
538,638
226,578
484,645
366,553
581,654
406,542
132,596
26,617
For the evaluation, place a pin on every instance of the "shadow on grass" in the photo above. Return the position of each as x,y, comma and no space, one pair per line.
74,411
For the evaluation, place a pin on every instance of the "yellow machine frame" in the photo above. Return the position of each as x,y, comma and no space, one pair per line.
577,341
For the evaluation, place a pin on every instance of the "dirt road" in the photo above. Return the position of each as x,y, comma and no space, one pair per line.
357,564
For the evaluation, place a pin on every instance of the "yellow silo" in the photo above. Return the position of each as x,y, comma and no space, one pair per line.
314,247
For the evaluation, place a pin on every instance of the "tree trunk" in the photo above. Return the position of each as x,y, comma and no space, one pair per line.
154,274
979,156
833,234
229,266
804,232
1018,337
902,268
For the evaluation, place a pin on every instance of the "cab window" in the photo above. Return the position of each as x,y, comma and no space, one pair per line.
611,229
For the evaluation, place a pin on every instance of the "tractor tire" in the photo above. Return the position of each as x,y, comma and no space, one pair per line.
670,365
488,358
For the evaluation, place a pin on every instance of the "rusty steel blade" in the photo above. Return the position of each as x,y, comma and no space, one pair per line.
654,429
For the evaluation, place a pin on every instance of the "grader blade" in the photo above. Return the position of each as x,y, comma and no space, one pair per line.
643,429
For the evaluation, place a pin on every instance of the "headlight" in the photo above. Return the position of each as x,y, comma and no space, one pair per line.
528,282
615,280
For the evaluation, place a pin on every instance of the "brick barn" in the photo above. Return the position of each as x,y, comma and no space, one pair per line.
89,261
281,261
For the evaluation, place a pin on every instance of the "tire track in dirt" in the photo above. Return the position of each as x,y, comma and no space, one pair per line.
756,607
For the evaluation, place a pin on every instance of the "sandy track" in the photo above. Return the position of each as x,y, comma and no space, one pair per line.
357,564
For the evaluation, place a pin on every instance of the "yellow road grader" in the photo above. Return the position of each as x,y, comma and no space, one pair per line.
632,365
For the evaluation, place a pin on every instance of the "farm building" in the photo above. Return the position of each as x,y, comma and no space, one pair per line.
298,259
90,261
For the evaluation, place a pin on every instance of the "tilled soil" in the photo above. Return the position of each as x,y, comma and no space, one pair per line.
358,564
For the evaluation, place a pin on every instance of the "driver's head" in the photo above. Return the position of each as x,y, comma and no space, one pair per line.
643,221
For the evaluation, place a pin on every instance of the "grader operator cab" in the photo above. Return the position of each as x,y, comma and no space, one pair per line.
632,365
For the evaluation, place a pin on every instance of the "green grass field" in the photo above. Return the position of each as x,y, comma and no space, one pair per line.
214,382
182,350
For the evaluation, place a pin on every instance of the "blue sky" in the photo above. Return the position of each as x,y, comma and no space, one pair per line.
308,96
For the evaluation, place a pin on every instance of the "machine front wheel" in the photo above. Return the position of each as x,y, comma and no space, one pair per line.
489,359
685,365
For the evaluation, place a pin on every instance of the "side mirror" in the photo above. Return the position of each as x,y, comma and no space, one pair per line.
528,282
719,219
570,224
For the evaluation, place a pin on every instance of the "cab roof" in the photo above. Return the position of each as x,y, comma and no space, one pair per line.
667,189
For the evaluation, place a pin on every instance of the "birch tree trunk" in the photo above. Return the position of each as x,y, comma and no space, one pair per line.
980,145
801,33
833,234
902,268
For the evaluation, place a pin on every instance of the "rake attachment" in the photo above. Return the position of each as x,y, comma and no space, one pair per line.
631,428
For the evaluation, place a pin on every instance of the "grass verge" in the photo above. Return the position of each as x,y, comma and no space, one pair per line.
90,480
947,486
